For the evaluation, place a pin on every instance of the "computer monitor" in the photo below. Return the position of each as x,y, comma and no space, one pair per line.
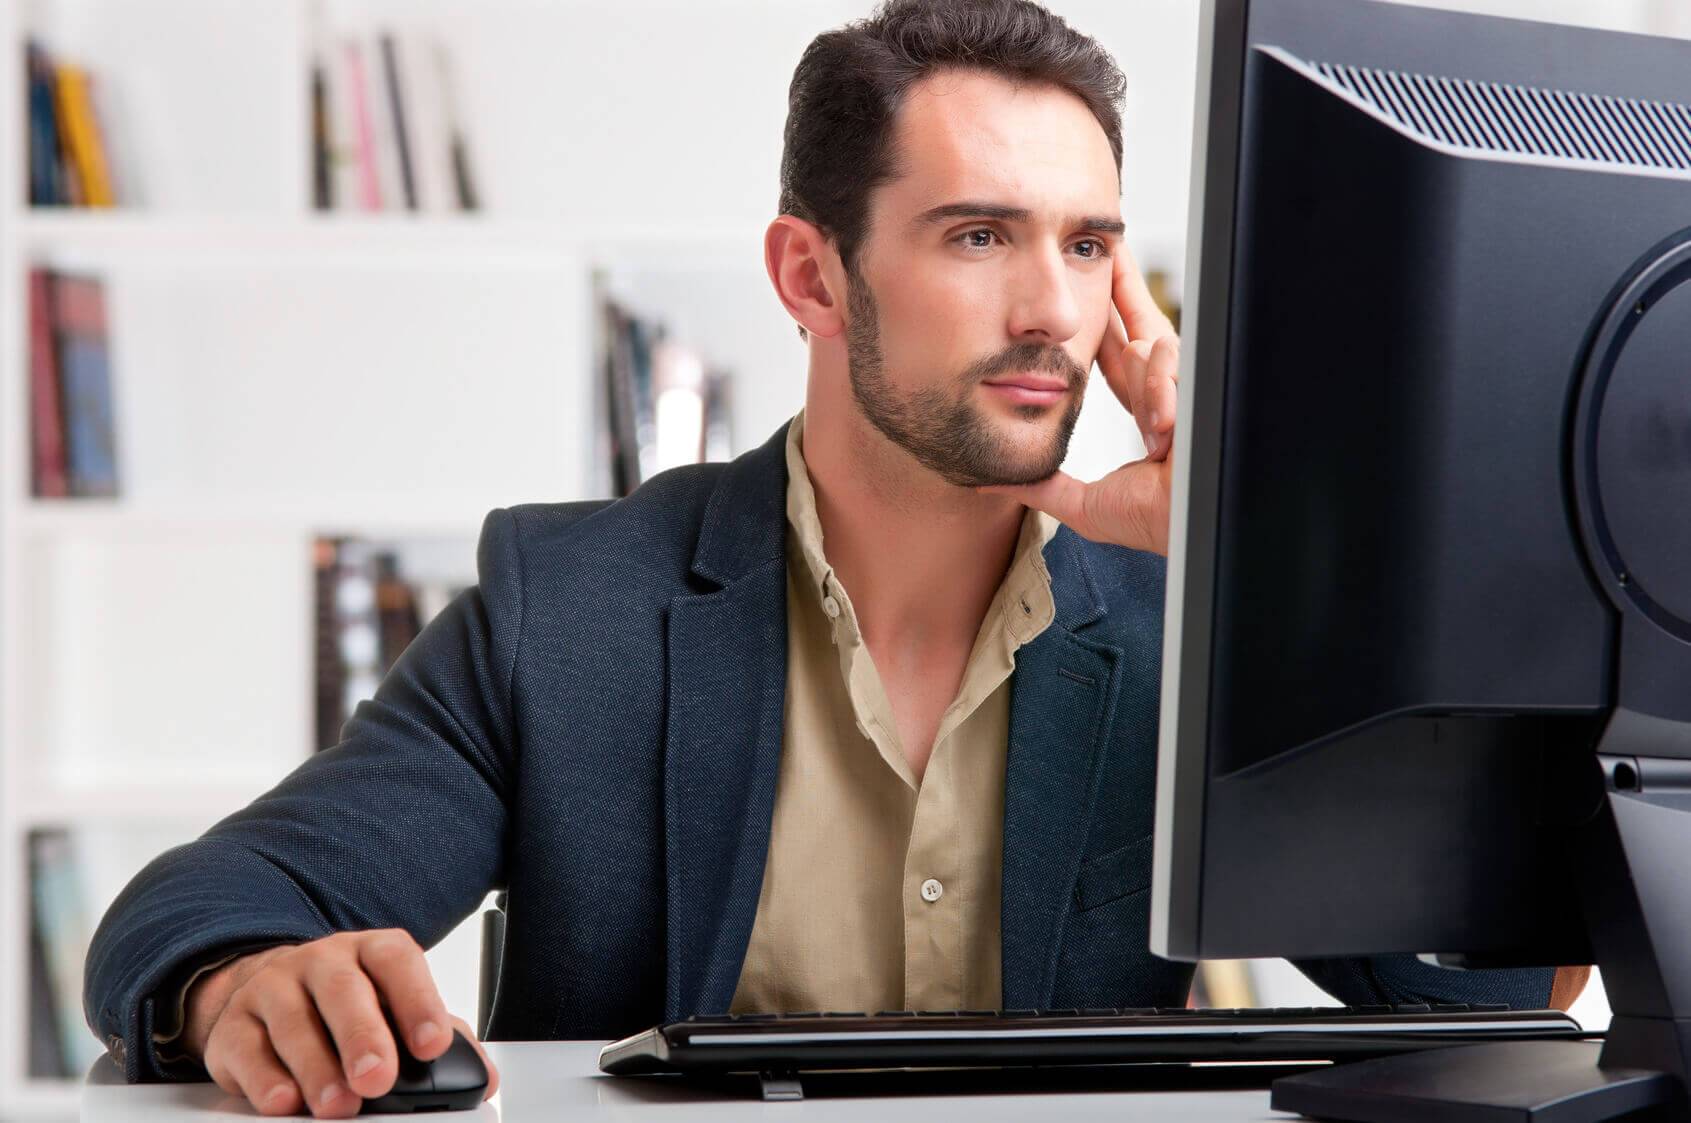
1427,667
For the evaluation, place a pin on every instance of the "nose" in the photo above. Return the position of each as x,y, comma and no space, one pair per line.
1043,306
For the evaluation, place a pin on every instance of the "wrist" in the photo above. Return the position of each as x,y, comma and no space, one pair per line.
210,993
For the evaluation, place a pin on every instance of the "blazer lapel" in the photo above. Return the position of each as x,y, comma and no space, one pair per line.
1061,704
727,665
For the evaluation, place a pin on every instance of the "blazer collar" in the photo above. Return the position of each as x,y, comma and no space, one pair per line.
745,520
1073,587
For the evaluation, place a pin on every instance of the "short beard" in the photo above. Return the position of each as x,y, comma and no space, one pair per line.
941,428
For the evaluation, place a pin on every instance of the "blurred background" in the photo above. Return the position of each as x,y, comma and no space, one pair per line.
292,292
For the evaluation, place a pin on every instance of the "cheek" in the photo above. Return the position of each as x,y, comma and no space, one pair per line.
943,318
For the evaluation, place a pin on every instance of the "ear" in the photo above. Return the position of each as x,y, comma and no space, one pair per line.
807,274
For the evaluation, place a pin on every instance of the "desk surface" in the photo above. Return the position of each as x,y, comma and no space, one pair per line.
560,1080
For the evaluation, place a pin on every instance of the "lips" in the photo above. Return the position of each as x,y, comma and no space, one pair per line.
1028,389
1030,382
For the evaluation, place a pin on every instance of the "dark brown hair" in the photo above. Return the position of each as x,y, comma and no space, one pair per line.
850,83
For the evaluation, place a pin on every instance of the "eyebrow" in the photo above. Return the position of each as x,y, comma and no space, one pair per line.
1097,224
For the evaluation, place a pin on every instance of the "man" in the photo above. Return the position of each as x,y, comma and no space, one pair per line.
850,723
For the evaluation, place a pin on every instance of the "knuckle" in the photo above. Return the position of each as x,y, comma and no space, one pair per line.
389,942
344,979
293,1025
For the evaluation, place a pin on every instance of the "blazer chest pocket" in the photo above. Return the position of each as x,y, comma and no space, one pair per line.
1120,873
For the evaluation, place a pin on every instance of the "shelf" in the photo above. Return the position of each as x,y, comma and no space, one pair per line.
182,804
440,238
93,518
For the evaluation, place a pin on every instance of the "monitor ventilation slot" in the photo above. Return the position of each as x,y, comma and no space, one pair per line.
1525,120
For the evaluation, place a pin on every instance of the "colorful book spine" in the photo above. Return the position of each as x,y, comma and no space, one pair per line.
79,308
48,472
46,176
369,179
82,135
60,910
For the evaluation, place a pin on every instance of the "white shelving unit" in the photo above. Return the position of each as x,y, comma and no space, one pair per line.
280,373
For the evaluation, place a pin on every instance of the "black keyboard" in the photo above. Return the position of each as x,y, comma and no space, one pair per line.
788,1044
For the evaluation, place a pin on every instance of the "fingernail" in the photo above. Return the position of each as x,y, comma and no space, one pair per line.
425,1033
1153,420
274,1096
330,1094
365,1063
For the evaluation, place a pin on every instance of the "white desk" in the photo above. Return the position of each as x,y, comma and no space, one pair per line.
556,1081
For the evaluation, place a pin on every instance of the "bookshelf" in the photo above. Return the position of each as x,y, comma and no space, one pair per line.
281,373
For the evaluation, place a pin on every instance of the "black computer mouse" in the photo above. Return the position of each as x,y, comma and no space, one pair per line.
453,1081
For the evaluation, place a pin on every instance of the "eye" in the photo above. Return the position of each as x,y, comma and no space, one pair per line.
1097,248
967,238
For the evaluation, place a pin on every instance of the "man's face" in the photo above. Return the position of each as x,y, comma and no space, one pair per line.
982,286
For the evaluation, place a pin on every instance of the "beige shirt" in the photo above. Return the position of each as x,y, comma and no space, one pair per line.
879,892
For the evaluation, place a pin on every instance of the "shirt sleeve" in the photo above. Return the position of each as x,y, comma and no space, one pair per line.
1404,979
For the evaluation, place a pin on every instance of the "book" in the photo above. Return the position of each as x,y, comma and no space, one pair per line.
79,313
719,416
81,135
663,405
678,404
620,405
463,181
397,619
46,1058
367,612
48,473
46,171
322,178
60,917
363,135
396,119
425,120
327,675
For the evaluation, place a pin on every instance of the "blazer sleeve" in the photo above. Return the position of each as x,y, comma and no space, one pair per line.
1396,979
401,825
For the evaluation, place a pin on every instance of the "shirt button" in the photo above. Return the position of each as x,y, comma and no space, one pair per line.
932,890
831,607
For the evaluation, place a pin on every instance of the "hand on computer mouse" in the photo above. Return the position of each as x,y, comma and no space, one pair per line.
455,1080
302,1026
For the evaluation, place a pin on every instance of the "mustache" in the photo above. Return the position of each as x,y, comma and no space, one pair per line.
1021,357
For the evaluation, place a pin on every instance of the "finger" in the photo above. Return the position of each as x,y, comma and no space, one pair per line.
1161,396
302,1044
492,1069
396,964
346,1000
1139,311
239,1058
1059,495
1113,358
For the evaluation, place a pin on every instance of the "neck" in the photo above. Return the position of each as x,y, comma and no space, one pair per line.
920,557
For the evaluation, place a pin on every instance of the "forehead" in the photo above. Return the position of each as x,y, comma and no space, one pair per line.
964,134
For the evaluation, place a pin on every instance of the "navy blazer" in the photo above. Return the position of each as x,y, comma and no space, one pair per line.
596,728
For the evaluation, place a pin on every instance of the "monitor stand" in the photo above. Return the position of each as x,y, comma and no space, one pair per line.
1632,858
